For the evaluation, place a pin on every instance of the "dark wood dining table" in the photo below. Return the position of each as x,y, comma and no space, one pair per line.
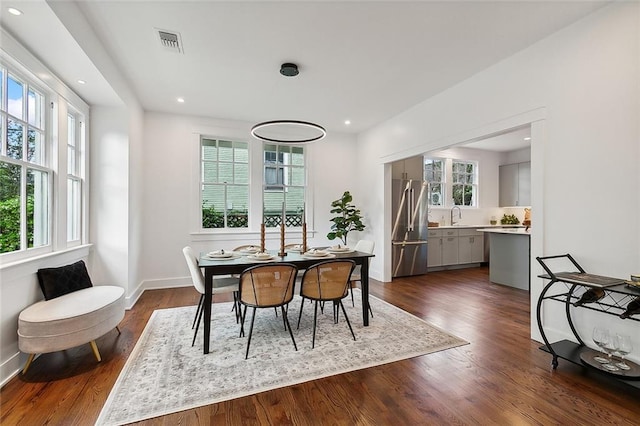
237,264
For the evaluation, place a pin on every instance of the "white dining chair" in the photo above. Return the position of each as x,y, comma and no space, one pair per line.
364,246
220,286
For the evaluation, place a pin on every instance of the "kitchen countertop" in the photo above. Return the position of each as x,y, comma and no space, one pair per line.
489,227
517,231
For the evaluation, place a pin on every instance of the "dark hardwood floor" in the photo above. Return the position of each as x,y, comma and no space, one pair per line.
500,378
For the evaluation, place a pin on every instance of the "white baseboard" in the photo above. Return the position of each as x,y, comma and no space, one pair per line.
12,367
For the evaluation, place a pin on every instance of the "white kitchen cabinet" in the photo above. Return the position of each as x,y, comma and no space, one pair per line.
434,248
449,247
515,185
470,246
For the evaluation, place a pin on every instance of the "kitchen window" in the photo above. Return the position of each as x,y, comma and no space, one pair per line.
434,173
224,183
464,178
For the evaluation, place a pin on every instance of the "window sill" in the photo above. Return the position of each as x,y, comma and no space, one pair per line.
23,267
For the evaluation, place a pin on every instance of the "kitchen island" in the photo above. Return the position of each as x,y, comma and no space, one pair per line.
509,256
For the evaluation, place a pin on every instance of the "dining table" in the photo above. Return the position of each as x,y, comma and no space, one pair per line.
238,262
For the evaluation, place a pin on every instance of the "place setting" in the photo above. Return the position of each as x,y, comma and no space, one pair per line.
318,254
249,250
261,257
340,249
222,255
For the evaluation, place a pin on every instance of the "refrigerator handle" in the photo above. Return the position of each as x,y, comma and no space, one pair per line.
411,204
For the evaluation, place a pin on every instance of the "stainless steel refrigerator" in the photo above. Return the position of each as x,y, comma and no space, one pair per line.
409,228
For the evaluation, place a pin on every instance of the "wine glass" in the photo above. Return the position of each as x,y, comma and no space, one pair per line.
623,348
600,337
610,346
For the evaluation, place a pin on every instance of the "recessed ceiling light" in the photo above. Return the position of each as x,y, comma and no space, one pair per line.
347,122
180,100
14,11
82,82
528,138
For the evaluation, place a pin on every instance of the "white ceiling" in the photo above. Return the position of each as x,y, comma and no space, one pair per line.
365,61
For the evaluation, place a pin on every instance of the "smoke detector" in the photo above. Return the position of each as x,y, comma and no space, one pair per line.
170,40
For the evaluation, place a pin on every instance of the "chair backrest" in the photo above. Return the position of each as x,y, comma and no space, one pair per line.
327,280
194,269
365,246
268,285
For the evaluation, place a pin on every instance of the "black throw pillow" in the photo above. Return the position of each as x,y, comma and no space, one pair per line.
56,282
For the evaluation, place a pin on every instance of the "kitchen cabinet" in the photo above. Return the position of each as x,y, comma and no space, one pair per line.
450,247
434,248
455,247
470,246
442,247
409,168
515,184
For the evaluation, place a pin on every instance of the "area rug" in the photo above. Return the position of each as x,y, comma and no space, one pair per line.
165,374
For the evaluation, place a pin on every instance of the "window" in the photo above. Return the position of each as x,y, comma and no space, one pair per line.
75,131
434,173
25,175
284,185
224,183
464,183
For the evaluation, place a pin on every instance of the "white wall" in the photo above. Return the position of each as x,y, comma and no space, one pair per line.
580,86
170,196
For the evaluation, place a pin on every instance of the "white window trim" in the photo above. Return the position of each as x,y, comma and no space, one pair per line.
256,163
57,97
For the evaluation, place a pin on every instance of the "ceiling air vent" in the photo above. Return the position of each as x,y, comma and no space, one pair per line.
170,40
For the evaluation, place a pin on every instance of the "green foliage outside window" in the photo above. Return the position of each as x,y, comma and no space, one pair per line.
10,224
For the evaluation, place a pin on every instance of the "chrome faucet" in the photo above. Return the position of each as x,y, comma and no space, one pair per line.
459,214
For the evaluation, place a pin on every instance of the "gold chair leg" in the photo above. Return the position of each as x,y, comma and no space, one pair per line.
26,366
95,350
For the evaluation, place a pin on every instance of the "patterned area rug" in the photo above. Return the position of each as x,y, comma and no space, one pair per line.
165,374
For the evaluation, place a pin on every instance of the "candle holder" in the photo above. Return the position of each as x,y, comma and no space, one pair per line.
282,251
304,237
262,238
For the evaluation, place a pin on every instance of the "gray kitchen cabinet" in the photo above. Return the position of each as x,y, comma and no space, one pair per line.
409,168
470,246
450,247
434,248
515,184
442,248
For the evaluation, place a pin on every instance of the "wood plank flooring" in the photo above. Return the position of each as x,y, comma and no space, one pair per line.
501,378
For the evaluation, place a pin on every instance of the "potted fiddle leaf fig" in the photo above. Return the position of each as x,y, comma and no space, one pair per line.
347,219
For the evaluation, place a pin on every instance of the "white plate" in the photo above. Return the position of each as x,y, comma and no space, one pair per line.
319,253
296,249
340,250
326,256
250,250
218,255
260,259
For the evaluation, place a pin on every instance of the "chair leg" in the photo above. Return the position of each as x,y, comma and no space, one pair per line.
195,333
253,317
300,315
29,361
347,318
315,320
242,317
198,311
286,319
96,352
353,303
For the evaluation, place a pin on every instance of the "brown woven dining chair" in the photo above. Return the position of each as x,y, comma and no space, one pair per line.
267,286
327,282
